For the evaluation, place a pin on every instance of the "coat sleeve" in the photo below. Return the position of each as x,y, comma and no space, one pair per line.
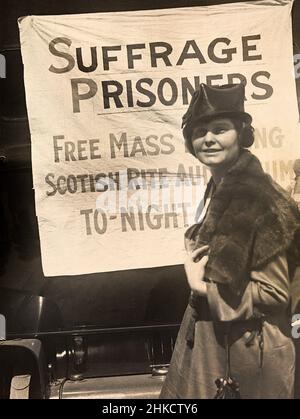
267,293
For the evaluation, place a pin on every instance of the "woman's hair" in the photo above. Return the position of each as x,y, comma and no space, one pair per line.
245,133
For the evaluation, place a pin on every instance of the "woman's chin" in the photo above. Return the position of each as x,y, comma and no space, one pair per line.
210,160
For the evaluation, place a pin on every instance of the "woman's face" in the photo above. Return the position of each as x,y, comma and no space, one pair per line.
215,142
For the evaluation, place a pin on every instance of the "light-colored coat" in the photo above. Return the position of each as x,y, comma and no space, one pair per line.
262,353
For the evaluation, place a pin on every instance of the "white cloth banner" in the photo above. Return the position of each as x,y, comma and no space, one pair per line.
114,186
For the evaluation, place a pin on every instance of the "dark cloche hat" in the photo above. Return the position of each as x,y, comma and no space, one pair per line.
215,101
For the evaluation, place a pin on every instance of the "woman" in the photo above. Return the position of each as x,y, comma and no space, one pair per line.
240,254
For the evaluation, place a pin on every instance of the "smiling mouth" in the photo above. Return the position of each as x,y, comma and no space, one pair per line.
210,151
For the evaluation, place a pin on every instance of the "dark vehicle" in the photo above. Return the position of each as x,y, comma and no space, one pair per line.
88,336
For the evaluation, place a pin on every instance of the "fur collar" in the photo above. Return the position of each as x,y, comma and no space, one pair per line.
250,220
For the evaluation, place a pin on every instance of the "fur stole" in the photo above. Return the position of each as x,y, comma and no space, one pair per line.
250,220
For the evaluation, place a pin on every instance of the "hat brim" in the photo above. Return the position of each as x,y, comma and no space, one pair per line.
244,116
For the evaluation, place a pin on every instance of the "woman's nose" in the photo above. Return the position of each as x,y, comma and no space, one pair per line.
209,138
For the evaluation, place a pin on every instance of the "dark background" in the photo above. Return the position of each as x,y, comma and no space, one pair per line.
133,297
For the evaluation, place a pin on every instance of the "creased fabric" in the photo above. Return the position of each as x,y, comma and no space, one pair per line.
199,356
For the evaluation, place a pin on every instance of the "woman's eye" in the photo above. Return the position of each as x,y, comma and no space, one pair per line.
199,133
220,130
